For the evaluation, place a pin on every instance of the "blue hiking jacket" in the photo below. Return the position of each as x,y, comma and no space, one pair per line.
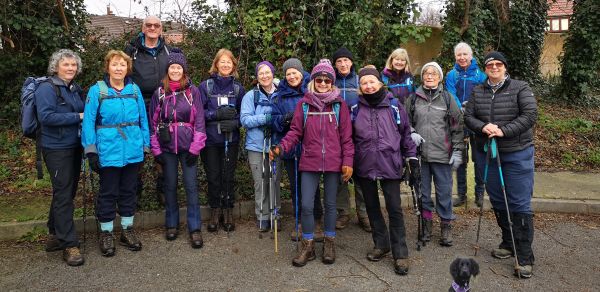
460,83
222,87
254,119
59,120
348,86
284,101
117,129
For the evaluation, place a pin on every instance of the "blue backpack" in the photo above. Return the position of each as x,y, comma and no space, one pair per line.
29,121
335,110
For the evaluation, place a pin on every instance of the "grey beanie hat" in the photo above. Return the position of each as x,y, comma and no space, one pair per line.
292,63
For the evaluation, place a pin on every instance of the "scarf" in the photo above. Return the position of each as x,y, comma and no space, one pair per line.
322,99
375,98
497,86
174,85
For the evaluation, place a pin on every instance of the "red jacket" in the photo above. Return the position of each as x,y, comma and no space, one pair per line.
326,146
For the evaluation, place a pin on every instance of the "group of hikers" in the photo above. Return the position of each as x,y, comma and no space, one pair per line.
335,124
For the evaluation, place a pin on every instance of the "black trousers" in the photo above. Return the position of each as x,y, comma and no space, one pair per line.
63,166
396,237
220,176
118,192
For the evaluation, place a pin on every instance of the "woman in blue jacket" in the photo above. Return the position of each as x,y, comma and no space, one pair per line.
382,142
256,118
289,92
115,136
60,110
221,98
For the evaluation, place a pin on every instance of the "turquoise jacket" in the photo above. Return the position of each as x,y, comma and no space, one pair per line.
116,126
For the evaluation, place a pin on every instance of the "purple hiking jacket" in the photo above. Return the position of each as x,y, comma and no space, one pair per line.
381,145
183,110
326,146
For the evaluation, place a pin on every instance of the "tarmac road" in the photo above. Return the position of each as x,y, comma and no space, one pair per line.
567,250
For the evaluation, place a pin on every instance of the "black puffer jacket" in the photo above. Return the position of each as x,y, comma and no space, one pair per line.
512,107
148,70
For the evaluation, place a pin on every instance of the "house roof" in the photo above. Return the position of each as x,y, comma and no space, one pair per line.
111,26
560,8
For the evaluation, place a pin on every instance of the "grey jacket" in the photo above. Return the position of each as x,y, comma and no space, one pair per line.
442,133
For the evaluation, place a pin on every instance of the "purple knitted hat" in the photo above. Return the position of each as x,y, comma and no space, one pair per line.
176,57
268,64
324,68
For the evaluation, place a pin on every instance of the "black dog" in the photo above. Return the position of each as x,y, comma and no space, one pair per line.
462,269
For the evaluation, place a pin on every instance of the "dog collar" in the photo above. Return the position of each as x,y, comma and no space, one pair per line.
459,288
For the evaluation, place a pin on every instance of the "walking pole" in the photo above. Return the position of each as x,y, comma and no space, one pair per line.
225,166
485,173
296,203
415,189
510,223
262,182
273,198
83,168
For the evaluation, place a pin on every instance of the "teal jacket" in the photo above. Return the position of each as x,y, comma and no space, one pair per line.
116,126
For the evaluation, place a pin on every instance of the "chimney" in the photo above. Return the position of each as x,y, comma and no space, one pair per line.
108,11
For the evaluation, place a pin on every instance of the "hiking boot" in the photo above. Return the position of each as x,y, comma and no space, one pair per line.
296,236
363,221
52,243
73,256
479,200
342,221
329,250
427,226
306,253
461,200
377,254
196,239
319,235
107,244
446,232
501,253
401,266
213,223
171,234
228,224
130,240
524,272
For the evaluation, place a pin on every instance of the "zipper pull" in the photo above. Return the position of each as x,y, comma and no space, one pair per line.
330,118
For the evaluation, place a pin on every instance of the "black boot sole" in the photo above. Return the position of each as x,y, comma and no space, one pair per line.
108,253
129,247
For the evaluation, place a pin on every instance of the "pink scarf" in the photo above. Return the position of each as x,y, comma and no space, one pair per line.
174,85
323,99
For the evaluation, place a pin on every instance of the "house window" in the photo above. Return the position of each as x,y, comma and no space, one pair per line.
557,24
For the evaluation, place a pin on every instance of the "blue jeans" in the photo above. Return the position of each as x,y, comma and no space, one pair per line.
310,183
291,172
518,172
441,174
190,184
461,172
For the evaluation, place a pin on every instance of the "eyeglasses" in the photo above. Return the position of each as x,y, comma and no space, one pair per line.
150,25
430,74
492,65
323,80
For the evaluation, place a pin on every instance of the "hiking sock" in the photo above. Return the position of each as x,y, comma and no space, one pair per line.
126,222
330,233
106,226
308,236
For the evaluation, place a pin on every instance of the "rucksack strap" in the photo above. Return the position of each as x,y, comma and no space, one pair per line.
335,110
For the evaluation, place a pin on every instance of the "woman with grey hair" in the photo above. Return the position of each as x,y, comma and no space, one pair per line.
437,128
60,111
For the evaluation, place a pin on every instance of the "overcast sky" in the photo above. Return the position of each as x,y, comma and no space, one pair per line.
133,8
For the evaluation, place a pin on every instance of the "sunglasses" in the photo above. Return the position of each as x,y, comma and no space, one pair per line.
492,65
323,80
150,25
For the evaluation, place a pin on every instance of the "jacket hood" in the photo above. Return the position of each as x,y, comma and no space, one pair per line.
138,42
470,70
350,75
307,99
397,77
106,79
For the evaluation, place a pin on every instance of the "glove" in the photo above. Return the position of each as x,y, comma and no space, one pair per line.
191,159
228,126
94,161
287,119
274,152
456,159
415,171
346,173
226,113
268,118
417,138
160,159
